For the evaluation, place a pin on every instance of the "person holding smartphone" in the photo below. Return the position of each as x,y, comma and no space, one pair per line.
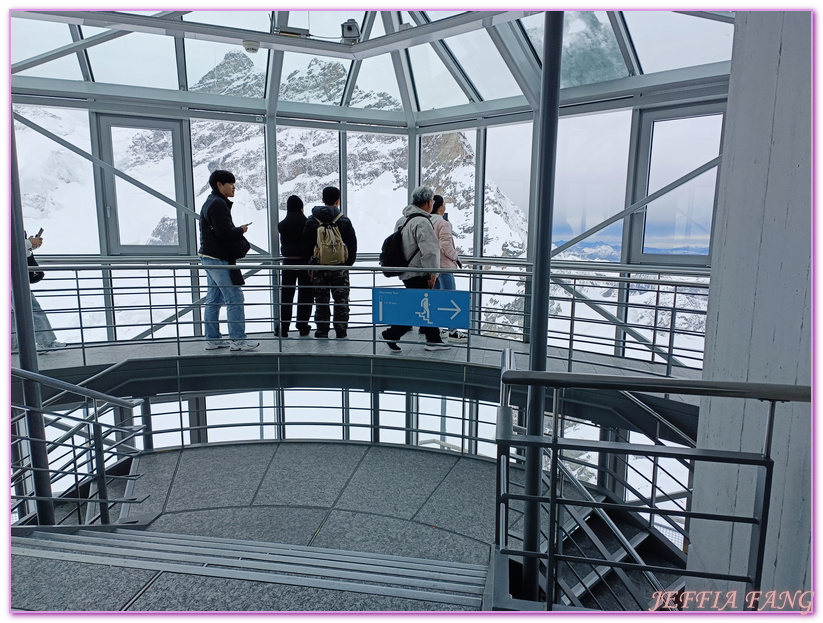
43,333
222,244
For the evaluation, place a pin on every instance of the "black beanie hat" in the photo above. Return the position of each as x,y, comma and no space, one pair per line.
294,203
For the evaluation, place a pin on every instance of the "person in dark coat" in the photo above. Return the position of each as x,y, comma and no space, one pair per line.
330,283
291,248
221,244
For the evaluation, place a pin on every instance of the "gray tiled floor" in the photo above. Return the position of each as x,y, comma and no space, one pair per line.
391,500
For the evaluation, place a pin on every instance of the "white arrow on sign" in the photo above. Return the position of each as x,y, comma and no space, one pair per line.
456,309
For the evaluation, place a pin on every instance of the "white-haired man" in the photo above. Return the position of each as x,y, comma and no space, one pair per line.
418,233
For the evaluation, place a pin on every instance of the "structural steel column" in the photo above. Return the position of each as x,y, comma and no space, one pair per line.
548,115
28,348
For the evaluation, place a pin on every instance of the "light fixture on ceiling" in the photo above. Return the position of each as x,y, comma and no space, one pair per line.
251,46
350,31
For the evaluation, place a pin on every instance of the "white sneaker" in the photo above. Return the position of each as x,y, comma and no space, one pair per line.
459,337
437,346
244,345
215,344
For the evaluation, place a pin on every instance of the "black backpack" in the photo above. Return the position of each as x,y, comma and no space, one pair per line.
391,253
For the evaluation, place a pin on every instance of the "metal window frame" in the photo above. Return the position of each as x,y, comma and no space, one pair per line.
109,193
639,183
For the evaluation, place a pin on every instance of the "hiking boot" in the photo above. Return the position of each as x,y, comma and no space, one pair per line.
244,345
393,346
215,344
341,334
304,331
458,337
321,334
278,332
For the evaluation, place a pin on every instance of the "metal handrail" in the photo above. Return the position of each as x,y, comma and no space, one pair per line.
771,393
75,389
728,389
88,464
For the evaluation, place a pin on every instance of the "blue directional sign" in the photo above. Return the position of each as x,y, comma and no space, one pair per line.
421,308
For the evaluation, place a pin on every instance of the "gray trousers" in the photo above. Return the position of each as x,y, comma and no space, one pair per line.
43,333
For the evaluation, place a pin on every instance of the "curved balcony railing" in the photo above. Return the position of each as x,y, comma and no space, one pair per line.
625,313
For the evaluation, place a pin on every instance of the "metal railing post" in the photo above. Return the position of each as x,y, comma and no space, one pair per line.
547,148
100,466
26,342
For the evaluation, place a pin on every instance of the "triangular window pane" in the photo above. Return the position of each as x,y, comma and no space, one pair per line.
137,59
376,85
666,40
31,38
477,54
313,79
590,51
435,86
225,69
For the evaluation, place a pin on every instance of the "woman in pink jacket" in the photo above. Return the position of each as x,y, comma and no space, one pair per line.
448,257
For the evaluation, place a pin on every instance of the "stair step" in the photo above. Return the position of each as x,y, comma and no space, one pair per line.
433,581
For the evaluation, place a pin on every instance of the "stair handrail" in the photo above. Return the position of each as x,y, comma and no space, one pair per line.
97,450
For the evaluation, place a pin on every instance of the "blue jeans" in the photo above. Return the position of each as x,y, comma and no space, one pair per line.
445,281
222,292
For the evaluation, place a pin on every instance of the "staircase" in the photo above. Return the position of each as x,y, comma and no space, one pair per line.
440,584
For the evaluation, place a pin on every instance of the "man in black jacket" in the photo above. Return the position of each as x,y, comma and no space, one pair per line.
330,283
291,238
221,244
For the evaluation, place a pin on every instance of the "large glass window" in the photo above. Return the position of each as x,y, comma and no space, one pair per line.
148,156
506,196
377,184
590,183
137,59
448,165
223,69
477,55
241,149
57,185
435,86
667,40
31,38
680,222
590,52
313,79
307,161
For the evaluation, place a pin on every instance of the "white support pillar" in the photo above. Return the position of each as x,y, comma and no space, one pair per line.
759,315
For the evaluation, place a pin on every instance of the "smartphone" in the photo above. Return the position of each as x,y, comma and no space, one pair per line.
39,233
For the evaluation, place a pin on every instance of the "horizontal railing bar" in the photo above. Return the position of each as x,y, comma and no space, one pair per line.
654,569
756,391
81,391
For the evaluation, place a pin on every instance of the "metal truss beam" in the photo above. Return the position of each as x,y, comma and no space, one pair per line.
639,204
624,42
82,58
520,58
354,71
391,42
452,65
402,71
624,327
79,46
